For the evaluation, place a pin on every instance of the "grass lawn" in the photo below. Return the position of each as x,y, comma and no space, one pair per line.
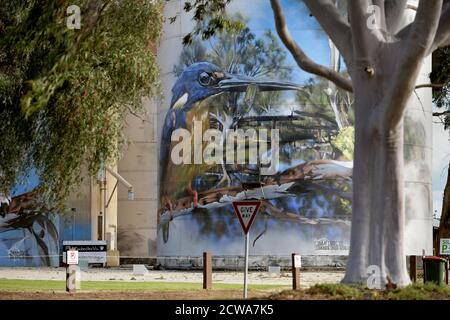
417,291
57,285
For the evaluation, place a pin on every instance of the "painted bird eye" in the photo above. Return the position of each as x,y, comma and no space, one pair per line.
205,79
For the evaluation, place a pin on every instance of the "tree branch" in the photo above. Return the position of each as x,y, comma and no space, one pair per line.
364,39
415,48
423,30
382,5
442,37
135,114
303,61
394,10
334,24
440,114
432,85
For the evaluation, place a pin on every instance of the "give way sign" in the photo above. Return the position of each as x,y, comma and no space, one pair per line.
246,212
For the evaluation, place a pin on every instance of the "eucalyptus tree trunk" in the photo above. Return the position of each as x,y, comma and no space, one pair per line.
384,76
378,210
383,48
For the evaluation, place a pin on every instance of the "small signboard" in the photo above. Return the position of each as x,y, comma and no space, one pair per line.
246,212
445,247
88,251
72,257
297,261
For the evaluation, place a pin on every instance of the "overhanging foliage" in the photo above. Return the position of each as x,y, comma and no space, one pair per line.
64,92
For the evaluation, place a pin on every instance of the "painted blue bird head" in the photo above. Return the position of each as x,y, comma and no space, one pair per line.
204,79
196,83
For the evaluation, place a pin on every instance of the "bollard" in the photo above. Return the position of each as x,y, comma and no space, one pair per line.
71,270
413,268
446,271
207,270
71,275
296,265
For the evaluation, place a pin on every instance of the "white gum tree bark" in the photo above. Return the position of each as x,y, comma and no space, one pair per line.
383,63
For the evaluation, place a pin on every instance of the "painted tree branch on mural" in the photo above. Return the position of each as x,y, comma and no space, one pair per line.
301,116
315,171
301,58
26,212
225,196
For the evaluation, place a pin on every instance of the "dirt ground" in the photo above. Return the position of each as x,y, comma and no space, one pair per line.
147,295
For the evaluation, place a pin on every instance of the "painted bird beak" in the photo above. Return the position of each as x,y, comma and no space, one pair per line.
240,83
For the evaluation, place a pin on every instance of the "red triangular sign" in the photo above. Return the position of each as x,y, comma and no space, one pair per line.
246,212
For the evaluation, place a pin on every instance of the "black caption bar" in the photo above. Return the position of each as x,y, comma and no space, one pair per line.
227,309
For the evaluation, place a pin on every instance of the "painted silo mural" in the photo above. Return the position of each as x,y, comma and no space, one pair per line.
28,232
241,121
244,123
31,232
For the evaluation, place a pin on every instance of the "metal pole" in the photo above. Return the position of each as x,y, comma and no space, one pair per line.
246,265
105,196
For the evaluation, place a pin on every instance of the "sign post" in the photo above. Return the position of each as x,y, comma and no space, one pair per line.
246,267
246,212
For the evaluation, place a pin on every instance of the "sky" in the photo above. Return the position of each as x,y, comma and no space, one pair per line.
305,31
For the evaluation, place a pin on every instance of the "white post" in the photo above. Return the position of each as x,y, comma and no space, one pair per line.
246,265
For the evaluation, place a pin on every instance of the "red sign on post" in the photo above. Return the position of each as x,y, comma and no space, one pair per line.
246,212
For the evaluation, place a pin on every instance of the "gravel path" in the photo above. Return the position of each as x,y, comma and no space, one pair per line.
307,278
